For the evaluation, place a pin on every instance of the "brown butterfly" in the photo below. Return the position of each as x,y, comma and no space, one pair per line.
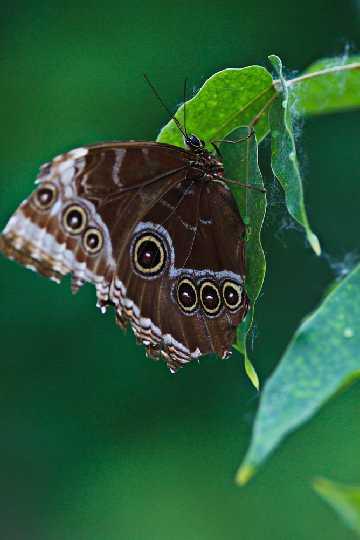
155,228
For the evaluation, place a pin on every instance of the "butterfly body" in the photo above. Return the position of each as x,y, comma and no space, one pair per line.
156,230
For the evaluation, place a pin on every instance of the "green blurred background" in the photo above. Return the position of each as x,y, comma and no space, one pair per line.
96,441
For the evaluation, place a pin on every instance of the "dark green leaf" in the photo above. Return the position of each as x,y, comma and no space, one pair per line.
283,157
336,86
345,500
323,355
241,164
229,99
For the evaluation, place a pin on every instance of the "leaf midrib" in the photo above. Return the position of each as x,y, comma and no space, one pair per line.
247,106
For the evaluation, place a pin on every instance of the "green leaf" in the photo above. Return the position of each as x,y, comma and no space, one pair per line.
227,100
283,157
336,86
251,372
323,355
345,500
241,164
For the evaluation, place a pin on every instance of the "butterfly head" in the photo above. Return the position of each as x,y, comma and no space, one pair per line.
209,165
194,143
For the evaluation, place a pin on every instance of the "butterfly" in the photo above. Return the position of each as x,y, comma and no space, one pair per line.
155,229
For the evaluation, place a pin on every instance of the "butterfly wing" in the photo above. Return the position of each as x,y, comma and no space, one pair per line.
133,219
188,301
86,203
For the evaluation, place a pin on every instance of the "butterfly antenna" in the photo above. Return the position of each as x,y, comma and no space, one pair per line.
185,84
157,95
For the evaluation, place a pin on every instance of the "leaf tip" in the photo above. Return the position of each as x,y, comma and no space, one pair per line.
251,373
275,61
314,243
244,474
319,483
324,487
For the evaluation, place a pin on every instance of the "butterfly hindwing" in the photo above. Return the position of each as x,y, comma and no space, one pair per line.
196,264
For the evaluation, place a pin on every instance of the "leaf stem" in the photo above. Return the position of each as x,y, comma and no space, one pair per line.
328,71
276,85
291,82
